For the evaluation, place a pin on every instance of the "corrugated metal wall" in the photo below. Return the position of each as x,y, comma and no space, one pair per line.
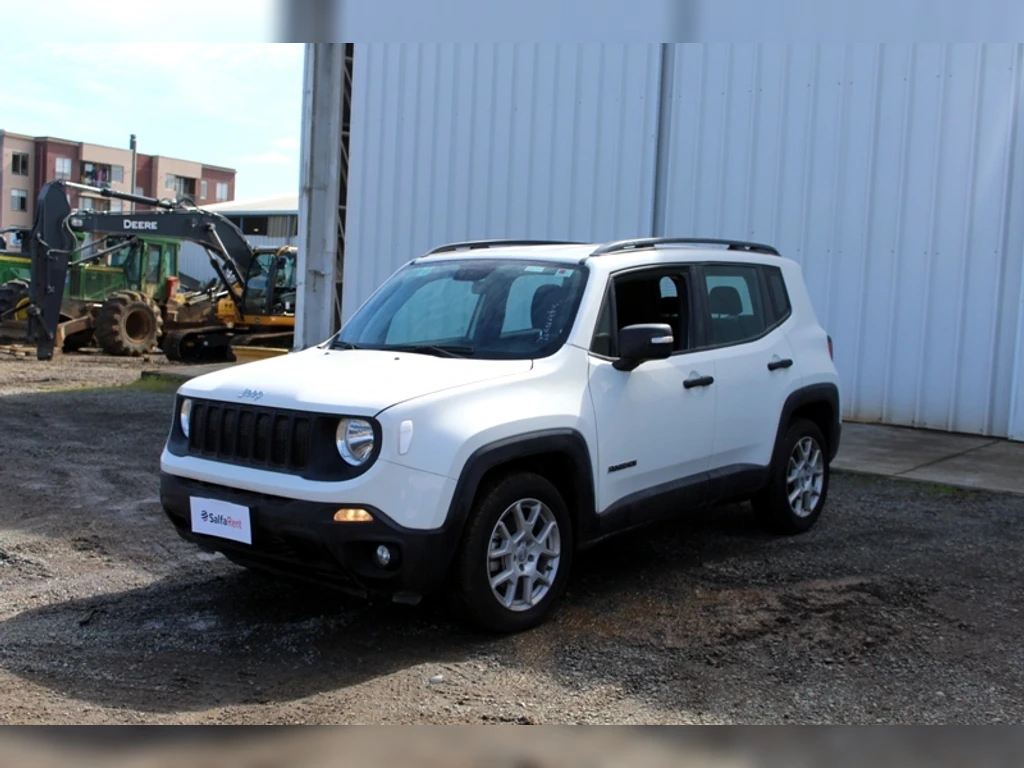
454,142
894,174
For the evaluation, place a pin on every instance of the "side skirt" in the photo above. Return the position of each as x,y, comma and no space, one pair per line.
675,499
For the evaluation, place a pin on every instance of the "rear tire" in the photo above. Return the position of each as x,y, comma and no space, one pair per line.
793,500
519,529
128,324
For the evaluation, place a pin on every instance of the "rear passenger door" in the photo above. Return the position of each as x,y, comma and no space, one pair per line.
745,317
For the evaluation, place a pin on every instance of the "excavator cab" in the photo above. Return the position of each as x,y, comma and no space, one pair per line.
271,283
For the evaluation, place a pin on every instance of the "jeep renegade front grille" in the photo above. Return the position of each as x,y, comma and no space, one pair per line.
258,437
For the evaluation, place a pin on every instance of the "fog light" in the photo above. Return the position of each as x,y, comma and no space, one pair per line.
383,556
353,515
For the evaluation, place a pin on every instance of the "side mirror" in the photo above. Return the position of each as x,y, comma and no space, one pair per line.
637,343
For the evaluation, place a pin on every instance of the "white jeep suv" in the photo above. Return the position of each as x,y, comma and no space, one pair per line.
495,406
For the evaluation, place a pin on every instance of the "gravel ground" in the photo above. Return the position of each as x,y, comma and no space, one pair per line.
902,605
87,368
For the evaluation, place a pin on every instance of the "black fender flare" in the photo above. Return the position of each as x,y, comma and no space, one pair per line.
810,395
565,441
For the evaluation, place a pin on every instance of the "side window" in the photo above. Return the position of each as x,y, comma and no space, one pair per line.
153,265
438,311
645,297
778,298
735,303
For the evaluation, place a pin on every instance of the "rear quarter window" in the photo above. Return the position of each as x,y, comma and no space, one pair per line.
778,297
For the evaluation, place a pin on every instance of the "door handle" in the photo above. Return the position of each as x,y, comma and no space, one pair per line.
698,381
774,365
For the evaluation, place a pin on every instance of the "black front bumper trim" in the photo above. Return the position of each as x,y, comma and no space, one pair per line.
300,539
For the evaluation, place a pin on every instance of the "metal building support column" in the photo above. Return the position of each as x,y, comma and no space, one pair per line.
1015,428
321,224
663,152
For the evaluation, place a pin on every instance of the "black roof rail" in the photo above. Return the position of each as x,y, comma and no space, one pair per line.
476,244
650,242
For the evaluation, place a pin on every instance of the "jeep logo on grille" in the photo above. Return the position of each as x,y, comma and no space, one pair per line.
251,394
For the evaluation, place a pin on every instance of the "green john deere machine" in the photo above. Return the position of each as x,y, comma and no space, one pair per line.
127,271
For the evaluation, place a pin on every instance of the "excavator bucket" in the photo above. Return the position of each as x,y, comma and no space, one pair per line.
50,247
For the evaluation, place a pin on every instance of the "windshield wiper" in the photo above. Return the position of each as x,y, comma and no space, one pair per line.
440,350
339,344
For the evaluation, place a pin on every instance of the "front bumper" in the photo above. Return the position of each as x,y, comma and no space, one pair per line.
300,539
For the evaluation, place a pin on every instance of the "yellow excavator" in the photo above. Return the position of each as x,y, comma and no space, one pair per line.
251,303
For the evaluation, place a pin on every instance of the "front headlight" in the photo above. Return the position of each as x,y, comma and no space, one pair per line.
185,415
355,440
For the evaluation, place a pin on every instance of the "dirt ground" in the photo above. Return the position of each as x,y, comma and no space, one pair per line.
903,605
88,368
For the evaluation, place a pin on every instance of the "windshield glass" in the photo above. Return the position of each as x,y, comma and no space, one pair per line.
483,308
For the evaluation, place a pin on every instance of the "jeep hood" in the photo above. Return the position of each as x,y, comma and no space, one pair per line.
359,382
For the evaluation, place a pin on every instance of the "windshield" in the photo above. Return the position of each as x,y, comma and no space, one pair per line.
484,308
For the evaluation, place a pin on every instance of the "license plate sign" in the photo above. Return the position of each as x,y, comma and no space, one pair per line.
222,519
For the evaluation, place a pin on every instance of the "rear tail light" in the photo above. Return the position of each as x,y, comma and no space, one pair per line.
830,348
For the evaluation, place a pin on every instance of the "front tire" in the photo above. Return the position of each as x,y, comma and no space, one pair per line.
128,324
796,492
516,554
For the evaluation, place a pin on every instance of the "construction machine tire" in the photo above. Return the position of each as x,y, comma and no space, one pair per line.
14,300
128,324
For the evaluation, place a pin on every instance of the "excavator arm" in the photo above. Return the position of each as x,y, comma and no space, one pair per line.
53,247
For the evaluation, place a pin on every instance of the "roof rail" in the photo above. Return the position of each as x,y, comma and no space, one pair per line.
650,242
475,244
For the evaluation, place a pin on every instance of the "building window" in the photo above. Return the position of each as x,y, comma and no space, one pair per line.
19,200
139,191
19,163
182,185
115,206
99,175
117,173
203,189
63,167
86,203
222,191
254,225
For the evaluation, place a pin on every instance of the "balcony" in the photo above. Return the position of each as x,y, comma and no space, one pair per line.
103,176
183,186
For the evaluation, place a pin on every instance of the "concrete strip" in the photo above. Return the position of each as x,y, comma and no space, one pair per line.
997,467
884,450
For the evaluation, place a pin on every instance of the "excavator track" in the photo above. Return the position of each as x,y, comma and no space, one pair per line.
205,344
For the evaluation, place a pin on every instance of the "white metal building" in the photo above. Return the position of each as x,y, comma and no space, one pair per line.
893,173
263,221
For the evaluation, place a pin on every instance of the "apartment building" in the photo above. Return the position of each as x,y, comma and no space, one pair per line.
30,161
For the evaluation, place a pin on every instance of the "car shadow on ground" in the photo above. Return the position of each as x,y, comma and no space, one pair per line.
194,641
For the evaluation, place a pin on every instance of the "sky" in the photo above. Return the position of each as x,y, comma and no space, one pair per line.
234,105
